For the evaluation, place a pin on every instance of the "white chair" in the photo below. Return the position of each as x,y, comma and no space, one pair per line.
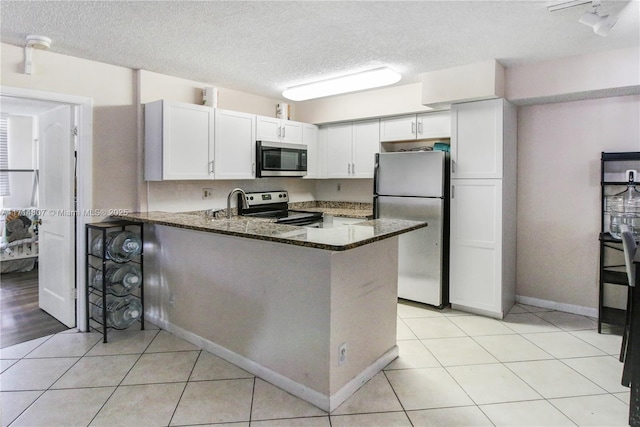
630,246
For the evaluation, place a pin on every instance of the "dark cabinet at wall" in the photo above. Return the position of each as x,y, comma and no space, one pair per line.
114,275
613,180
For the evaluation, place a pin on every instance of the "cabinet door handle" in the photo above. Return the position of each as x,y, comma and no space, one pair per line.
283,131
453,166
420,127
253,168
453,191
413,128
211,166
353,168
279,131
349,168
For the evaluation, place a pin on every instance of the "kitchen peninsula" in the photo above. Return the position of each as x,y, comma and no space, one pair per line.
311,310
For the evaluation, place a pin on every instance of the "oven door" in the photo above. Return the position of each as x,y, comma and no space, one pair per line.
280,159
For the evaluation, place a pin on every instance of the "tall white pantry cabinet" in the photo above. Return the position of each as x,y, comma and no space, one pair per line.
483,207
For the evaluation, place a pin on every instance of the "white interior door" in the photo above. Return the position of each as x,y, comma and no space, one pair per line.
56,233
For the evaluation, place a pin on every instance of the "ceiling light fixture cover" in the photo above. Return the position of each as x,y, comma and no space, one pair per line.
351,83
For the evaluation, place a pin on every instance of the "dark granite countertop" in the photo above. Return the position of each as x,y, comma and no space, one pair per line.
335,239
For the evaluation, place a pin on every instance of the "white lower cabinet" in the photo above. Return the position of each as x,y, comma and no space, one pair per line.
234,145
351,148
476,245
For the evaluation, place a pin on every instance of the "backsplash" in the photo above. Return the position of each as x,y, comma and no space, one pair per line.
181,196
330,205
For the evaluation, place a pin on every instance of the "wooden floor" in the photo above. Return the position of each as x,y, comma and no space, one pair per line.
20,317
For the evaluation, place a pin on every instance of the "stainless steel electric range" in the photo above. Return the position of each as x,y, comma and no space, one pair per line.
275,204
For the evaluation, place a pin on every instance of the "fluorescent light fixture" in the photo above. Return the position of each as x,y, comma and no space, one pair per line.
351,83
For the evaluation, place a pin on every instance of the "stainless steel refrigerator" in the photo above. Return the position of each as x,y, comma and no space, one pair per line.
414,185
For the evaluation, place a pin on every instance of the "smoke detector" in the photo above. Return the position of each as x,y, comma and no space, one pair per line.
38,42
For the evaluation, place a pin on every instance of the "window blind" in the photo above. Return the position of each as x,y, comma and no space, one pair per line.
4,155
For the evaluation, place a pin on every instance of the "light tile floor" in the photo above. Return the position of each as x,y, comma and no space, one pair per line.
534,368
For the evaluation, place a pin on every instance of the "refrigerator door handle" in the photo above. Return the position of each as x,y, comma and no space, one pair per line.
375,206
376,165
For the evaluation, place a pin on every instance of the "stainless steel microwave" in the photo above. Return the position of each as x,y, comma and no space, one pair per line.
280,159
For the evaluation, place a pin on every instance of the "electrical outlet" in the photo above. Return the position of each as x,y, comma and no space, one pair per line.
342,354
207,193
339,187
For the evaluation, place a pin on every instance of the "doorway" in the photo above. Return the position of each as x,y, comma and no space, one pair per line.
61,188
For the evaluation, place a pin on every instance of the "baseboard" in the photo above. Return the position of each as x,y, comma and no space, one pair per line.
322,401
352,386
558,306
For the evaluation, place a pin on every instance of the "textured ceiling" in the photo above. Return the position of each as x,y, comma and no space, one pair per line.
263,47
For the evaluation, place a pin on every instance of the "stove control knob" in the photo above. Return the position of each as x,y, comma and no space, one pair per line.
281,195
250,197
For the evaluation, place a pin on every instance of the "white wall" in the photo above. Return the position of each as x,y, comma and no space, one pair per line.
20,149
351,190
373,103
603,74
114,114
559,148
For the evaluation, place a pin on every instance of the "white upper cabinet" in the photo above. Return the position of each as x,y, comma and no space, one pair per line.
338,146
398,128
366,143
234,145
434,125
278,130
351,148
310,139
477,139
416,126
179,141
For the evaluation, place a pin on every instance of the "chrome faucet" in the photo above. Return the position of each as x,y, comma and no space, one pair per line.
244,200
